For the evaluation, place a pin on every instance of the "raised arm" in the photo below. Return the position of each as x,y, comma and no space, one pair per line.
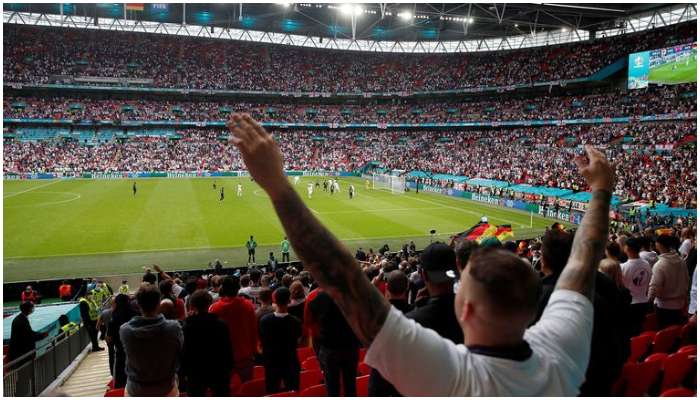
330,263
589,241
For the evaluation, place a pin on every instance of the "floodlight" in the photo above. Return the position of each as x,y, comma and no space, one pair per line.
471,20
405,15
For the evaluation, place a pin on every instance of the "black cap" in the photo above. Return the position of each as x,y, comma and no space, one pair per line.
438,262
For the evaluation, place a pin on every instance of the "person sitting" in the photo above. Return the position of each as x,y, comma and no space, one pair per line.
65,291
29,295
152,346
279,334
203,368
496,301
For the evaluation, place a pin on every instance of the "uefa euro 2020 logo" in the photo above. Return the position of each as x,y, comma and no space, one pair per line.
638,62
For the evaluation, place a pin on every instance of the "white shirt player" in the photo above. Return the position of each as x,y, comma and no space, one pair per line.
296,180
310,189
239,190
337,186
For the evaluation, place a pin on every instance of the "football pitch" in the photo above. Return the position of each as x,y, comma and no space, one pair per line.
83,227
667,75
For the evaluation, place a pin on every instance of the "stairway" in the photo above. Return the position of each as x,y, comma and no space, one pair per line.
91,377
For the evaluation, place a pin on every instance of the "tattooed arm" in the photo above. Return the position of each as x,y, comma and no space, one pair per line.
328,260
591,236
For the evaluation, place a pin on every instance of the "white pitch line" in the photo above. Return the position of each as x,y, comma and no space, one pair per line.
466,211
30,189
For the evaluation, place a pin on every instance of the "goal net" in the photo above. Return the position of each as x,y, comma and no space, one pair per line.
395,184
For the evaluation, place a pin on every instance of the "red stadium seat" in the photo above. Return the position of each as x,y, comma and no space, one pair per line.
311,363
363,386
314,391
110,384
310,378
665,339
637,378
650,322
363,352
691,348
687,336
305,352
363,369
290,393
676,368
678,392
258,372
235,383
115,393
254,388
639,347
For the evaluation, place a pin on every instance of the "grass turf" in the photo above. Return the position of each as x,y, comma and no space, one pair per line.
80,228
665,74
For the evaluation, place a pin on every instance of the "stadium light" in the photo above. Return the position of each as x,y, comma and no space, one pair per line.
285,4
564,30
405,15
471,20
349,9
516,25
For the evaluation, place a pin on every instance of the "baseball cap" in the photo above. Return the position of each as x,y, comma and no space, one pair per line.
438,262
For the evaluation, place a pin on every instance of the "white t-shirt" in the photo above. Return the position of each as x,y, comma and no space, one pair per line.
685,247
636,275
419,362
693,306
649,256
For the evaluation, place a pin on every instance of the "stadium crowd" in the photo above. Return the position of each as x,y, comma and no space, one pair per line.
538,156
569,311
655,100
41,55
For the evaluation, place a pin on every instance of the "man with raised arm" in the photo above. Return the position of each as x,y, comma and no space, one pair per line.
496,301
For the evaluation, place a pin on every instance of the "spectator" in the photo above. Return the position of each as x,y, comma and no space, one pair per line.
152,346
338,351
201,367
501,282
252,290
22,337
669,283
239,315
171,307
29,295
647,254
123,313
265,304
687,236
103,321
298,297
279,335
636,275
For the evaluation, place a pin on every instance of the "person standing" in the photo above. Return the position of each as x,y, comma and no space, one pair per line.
152,346
669,283
203,368
636,275
239,315
239,190
251,245
279,334
123,312
285,250
221,195
23,340
133,188
89,311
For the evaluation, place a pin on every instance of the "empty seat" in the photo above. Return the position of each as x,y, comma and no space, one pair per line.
691,348
676,368
363,369
310,378
637,378
665,339
678,392
290,393
305,352
639,347
254,388
115,393
363,386
650,322
314,391
258,372
311,363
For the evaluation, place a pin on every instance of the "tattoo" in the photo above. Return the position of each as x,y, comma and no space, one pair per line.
333,267
588,247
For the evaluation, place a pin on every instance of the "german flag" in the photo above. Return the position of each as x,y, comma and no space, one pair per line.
134,6
483,231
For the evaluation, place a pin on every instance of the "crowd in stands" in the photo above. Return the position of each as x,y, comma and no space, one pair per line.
539,156
655,100
35,54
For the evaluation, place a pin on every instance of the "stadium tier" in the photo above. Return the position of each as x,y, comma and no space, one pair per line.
480,219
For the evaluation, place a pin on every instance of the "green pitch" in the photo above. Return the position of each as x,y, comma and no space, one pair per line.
81,228
666,74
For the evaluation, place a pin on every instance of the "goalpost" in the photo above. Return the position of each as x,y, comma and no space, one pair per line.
395,184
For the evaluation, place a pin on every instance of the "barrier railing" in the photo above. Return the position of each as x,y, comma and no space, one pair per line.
30,374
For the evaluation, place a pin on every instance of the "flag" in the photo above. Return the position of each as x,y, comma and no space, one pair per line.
483,231
134,6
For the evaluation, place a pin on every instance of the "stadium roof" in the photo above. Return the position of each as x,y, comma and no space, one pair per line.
396,27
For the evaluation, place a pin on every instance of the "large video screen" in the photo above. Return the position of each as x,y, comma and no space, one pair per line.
669,66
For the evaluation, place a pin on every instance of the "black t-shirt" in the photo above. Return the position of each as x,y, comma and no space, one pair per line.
279,336
335,333
439,315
